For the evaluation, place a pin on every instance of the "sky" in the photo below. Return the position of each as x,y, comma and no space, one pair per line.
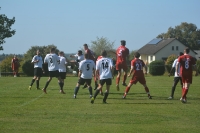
68,24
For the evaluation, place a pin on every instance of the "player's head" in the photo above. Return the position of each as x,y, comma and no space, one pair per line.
52,50
80,52
137,55
104,53
15,56
123,42
181,53
86,56
61,53
38,52
85,46
186,50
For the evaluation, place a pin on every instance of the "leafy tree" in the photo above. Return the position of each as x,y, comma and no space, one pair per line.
101,44
169,62
187,33
5,28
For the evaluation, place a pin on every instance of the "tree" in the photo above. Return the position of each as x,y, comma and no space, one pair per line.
187,33
101,44
5,28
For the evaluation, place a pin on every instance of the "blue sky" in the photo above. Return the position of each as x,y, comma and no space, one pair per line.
69,24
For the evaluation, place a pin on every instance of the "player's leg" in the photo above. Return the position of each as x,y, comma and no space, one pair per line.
176,80
127,89
81,81
32,81
147,91
125,69
108,84
38,75
46,85
185,91
88,82
61,77
101,83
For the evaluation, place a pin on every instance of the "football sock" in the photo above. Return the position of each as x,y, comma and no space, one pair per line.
90,90
96,93
185,93
124,79
105,96
37,83
127,89
76,90
33,80
172,92
61,85
46,85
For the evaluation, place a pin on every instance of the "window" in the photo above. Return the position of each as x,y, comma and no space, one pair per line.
176,48
151,58
172,48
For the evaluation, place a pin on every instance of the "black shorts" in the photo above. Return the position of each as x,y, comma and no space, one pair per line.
38,71
82,81
54,73
107,81
62,75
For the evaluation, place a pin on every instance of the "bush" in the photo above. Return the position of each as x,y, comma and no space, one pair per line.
169,62
198,65
157,68
28,68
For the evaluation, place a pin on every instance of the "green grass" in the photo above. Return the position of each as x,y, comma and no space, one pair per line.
23,110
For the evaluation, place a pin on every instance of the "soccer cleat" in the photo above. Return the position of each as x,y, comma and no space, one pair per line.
183,100
91,96
149,97
170,98
74,96
44,90
124,84
124,96
92,100
38,89
104,102
29,87
62,92
117,87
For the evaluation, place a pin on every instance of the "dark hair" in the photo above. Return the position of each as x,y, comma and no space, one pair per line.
187,50
123,42
104,53
85,45
61,52
80,52
181,53
52,49
137,55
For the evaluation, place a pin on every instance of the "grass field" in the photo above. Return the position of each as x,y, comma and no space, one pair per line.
31,111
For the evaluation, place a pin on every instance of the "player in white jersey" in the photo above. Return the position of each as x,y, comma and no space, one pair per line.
62,66
177,77
38,69
104,69
79,56
53,61
86,70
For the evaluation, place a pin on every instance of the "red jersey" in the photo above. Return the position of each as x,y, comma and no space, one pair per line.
15,63
91,54
137,65
99,57
186,62
122,53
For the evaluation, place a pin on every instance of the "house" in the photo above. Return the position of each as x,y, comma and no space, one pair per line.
160,49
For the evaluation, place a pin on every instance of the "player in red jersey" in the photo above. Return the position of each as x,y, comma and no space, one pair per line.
122,54
138,75
15,65
187,63
91,57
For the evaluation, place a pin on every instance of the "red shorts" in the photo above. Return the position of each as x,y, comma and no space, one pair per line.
121,65
187,78
136,79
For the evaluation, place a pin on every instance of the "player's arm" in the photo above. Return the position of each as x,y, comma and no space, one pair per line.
130,72
79,73
176,68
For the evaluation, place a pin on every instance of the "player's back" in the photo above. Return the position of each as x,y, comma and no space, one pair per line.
186,63
87,66
62,64
138,67
104,65
52,60
122,53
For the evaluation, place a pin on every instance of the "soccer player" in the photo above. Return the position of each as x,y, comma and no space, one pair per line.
91,57
122,54
38,69
62,68
187,63
86,69
15,65
177,78
138,75
104,68
79,57
53,60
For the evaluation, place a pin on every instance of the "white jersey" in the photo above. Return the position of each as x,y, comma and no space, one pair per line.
39,63
53,61
87,66
104,65
80,58
62,64
174,65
